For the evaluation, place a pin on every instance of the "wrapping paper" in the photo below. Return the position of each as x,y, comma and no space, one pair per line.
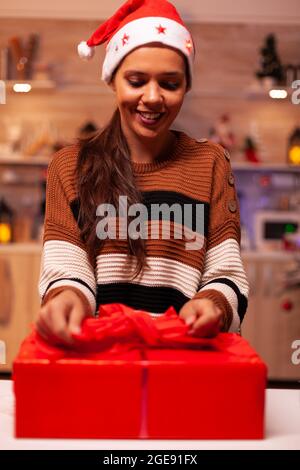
129,375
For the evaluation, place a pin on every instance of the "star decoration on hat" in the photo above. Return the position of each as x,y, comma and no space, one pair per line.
161,29
125,39
189,45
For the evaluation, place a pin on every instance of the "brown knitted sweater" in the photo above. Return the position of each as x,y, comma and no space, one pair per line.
197,173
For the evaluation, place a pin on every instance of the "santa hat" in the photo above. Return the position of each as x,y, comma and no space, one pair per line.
135,23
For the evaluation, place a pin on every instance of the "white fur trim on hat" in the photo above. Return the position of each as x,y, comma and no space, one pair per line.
85,51
143,31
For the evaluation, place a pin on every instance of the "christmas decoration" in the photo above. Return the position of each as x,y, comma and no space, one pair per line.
270,63
250,150
136,23
222,133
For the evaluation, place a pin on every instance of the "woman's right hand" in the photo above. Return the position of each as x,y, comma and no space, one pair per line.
60,317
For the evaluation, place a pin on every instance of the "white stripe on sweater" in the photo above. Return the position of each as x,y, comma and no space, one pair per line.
224,260
162,272
62,259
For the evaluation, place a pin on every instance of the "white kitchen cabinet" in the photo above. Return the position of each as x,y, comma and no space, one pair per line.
269,328
19,300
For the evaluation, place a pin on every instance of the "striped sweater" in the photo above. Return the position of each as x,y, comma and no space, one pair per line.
196,173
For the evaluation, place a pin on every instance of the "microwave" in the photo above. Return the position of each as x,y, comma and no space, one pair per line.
270,226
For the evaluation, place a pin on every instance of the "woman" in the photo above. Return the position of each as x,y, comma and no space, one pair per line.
138,160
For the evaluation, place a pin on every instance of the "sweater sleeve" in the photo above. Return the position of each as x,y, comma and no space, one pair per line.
224,279
64,262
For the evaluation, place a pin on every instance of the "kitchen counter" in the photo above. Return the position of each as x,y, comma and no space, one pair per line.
282,430
24,248
269,255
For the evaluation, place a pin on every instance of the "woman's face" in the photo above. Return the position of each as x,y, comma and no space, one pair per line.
150,85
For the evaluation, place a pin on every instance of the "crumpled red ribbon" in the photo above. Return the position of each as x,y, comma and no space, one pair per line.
119,329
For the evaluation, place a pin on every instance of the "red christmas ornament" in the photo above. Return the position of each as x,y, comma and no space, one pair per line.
287,305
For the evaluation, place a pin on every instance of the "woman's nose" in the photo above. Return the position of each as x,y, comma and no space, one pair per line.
152,94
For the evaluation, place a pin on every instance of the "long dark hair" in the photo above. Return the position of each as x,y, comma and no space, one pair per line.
104,172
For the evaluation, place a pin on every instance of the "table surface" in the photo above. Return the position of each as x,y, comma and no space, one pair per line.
282,430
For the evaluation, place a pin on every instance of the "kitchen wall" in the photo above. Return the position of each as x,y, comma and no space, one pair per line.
227,57
256,11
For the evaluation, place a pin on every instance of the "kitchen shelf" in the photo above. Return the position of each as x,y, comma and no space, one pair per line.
241,166
36,85
21,160
252,92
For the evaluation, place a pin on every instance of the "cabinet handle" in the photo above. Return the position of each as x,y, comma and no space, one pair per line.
7,292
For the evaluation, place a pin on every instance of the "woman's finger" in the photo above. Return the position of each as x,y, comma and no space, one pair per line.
42,331
46,333
206,325
188,312
75,319
59,321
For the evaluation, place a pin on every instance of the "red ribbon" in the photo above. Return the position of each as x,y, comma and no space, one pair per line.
119,329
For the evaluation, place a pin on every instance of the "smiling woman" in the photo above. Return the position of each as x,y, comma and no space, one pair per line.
138,158
149,98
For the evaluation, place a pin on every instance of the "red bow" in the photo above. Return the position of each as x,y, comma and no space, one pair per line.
119,329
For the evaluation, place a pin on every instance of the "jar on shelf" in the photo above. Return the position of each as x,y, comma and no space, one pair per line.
294,147
6,222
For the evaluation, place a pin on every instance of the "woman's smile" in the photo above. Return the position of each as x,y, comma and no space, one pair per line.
149,119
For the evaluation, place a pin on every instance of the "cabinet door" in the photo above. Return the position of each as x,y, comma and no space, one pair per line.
19,304
288,321
251,322
269,328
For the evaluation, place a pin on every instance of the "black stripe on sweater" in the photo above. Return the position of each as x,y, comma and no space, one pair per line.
80,281
151,299
242,300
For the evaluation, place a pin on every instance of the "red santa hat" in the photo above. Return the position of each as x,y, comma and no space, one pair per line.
135,23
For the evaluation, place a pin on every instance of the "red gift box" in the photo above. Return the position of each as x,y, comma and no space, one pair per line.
131,376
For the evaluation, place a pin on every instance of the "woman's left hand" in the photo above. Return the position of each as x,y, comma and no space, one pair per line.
203,316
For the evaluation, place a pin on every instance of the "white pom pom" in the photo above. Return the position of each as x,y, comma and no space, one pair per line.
85,51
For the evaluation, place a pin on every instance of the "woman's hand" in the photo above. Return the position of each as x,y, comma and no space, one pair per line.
60,317
203,316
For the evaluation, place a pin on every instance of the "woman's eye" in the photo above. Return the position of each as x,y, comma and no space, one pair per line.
168,85
135,83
